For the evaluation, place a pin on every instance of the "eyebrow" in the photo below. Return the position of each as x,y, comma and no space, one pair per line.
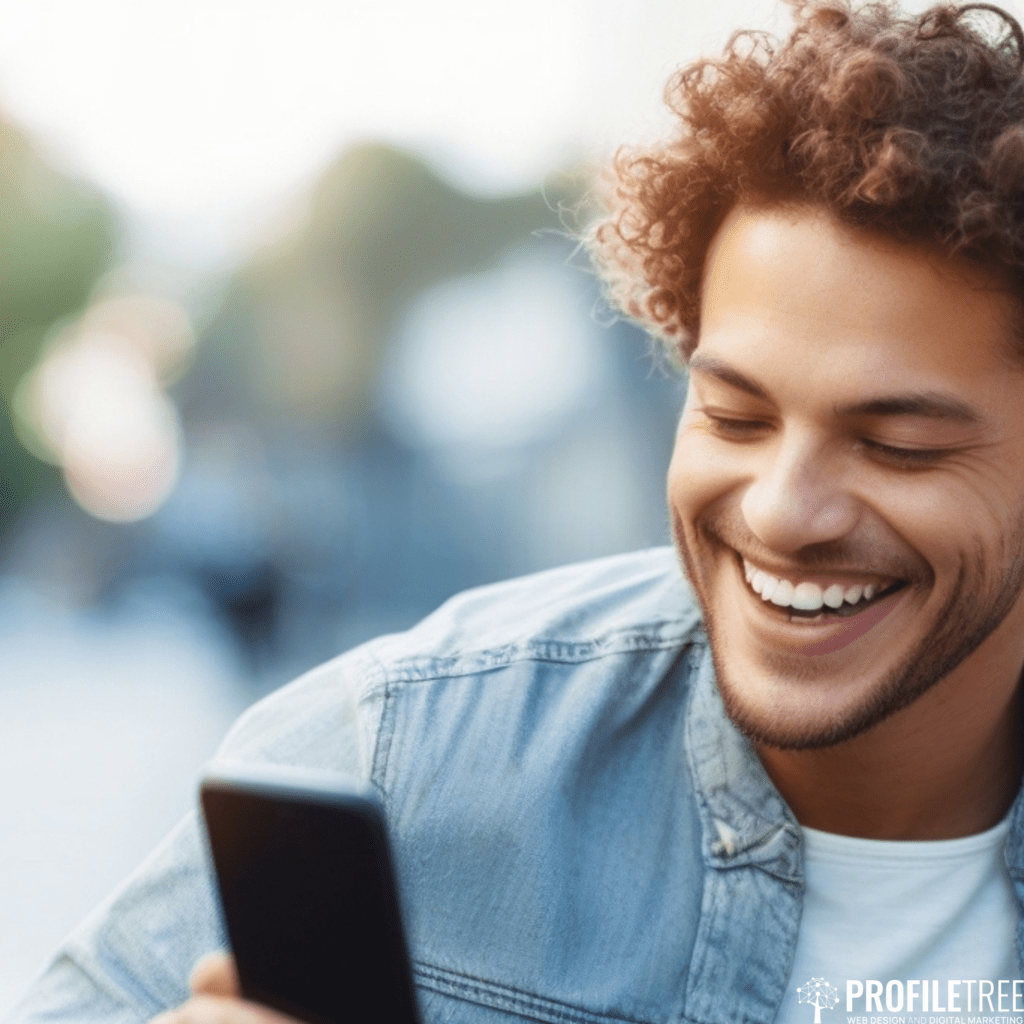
722,371
928,404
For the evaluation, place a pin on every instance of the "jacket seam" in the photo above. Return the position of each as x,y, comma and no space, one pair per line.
385,731
479,991
436,669
83,958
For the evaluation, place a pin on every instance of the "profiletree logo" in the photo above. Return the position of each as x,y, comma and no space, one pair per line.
820,994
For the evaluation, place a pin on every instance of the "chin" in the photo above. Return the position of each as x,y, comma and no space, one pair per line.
775,716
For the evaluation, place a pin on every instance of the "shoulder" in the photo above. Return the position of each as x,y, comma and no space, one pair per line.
529,754
637,602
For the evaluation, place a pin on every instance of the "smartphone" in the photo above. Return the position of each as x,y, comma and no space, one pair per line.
308,891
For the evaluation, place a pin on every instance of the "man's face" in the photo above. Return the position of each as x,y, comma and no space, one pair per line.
847,486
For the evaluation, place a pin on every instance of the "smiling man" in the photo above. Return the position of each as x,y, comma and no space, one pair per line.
847,492
789,774
834,245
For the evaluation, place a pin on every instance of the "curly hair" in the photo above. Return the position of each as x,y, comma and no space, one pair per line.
912,127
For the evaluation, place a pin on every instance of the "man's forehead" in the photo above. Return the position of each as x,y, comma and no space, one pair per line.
797,281
846,255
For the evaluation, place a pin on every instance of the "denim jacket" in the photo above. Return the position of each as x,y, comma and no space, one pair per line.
581,835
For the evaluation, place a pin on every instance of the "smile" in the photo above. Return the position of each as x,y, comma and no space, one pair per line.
812,599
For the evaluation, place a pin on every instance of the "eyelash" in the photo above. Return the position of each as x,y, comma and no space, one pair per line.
908,458
724,425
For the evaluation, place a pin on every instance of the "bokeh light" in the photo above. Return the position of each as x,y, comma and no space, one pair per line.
94,404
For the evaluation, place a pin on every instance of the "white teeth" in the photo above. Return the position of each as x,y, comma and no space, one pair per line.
804,596
807,597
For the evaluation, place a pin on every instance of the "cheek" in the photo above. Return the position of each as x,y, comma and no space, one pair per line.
697,475
956,518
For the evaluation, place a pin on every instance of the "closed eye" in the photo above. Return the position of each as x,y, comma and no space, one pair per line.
910,458
732,428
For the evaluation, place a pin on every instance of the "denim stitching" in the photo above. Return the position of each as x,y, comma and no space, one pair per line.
505,997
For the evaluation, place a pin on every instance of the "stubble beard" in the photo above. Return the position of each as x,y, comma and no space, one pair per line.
978,603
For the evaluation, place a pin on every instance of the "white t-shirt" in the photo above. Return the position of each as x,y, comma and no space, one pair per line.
885,921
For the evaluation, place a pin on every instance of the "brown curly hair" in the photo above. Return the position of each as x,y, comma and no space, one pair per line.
913,127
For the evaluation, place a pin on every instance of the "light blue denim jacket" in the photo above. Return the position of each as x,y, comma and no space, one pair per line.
581,834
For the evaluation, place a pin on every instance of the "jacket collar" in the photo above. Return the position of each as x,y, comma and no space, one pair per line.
744,819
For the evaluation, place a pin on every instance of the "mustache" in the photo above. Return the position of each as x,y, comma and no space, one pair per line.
863,554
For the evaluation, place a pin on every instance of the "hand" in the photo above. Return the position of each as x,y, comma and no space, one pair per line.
216,998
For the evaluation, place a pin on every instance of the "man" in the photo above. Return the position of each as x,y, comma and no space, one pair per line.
615,798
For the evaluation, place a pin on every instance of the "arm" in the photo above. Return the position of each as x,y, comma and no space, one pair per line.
131,959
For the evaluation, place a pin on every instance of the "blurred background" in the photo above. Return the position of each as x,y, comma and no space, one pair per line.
295,342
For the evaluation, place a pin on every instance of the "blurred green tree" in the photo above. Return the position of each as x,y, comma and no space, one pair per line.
304,325
56,238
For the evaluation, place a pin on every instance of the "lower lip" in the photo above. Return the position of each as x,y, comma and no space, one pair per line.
828,634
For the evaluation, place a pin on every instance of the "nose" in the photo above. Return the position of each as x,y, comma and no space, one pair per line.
799,497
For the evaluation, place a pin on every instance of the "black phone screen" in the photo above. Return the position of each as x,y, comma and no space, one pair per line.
310,904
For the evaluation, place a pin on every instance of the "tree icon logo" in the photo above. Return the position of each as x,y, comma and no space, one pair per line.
820,994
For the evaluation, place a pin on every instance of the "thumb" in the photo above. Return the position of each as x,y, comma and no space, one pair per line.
215,975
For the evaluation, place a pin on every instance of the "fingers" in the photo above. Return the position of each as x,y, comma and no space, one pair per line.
215,975
205,1009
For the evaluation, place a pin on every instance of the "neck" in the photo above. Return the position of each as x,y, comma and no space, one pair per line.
935,770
